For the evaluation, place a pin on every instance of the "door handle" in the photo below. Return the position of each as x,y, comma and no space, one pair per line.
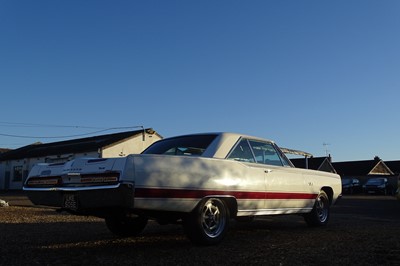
267,171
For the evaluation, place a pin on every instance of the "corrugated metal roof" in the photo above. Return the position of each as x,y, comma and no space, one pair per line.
3,150
68,146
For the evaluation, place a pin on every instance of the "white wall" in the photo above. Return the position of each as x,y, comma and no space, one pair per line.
2,175
16,184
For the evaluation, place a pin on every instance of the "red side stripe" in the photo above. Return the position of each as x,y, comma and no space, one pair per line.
193,194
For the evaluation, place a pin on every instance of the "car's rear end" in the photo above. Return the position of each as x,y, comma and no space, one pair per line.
84,186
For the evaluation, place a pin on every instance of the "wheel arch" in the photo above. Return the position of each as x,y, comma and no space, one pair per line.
329,193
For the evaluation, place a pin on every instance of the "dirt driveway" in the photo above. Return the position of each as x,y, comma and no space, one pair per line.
363,230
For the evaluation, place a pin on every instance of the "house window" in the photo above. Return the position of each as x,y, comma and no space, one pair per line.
17,173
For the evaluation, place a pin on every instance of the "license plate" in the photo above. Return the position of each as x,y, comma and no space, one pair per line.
70,202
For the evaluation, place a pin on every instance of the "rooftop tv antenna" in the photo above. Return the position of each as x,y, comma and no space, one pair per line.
326,148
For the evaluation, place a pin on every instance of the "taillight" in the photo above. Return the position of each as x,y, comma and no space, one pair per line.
100,178
44,181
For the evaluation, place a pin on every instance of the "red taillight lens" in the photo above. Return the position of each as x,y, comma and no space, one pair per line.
99,178
44,181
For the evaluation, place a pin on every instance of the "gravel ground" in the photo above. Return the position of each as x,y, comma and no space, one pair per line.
363,230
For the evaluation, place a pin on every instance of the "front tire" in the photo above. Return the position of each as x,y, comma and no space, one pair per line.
319,216
126,225
208,223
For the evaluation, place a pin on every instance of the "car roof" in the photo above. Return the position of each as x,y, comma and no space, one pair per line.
222,144
225,134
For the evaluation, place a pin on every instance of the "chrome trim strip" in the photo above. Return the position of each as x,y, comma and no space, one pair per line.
273,211
72,188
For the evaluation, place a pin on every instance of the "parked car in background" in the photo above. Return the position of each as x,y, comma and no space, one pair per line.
378,185
351,186
200,181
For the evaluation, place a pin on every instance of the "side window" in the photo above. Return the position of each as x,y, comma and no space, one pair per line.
265,153
242,152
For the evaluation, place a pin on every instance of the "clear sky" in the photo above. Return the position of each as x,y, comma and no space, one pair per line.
302,73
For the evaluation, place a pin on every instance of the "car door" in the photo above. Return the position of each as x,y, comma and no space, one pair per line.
285,185
252,199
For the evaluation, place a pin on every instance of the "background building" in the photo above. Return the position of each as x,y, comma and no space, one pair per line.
363,170
16,164
315,163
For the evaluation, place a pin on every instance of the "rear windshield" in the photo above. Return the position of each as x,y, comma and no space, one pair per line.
193,145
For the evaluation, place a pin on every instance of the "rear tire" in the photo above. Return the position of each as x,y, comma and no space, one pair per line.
208,223
126,225
319,216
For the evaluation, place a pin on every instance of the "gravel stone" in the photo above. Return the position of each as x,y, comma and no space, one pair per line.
363,230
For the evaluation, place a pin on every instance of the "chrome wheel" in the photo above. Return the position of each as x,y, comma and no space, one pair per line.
320,212
212,220
208,223
322,208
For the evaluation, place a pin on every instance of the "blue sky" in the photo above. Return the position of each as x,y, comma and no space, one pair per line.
302,73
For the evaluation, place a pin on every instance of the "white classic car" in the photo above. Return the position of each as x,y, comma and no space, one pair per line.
201,180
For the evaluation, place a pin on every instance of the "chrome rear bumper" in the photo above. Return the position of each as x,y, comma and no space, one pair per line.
84,199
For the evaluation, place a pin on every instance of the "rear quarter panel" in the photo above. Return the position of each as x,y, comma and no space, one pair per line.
317,180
